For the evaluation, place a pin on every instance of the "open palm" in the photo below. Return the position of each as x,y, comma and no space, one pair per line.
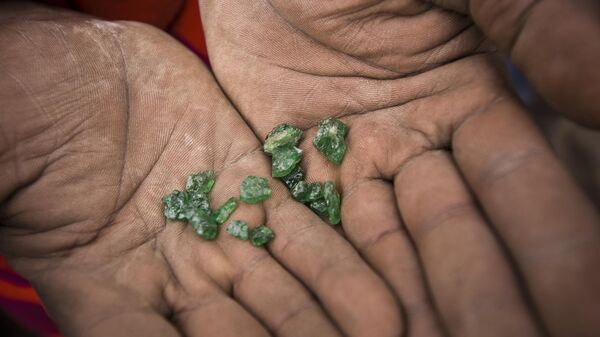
103,119
449,190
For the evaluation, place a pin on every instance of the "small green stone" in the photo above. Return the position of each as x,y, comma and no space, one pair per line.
294,177
254,190
282,135
198,201
238,229
222,213
204,225
301,192
285,159
201,182
314,192
330,139
332,198
319,206
261,235
174,205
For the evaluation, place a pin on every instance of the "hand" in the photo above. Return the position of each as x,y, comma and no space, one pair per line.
560,60
449,189
99,121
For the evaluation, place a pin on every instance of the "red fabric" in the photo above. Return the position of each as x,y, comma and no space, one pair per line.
181,18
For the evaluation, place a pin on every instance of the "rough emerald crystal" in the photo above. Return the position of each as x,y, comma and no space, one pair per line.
254,190
282,135
330,139
285,159
314,192
319,207
201,182
301,192
238,229
174,205
198,201
293,177
261,235
204,225
222,213
332,199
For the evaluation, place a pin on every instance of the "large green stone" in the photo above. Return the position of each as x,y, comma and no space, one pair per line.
222,213
201,182
204,225
301,192
293,177
261,235
238,229
174,205
333,201
198,201
330,139
282,135
285,159
254,190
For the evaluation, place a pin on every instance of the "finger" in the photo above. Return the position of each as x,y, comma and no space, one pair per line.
355,297
559,60
267,289
550,228
470,278
373,225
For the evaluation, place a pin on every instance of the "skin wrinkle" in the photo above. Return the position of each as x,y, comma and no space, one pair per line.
522,21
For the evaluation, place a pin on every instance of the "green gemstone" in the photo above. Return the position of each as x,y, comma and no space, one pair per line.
198,201
261,235
301,192
222,213
204,225
319,206
254,190
238,229
332,198
174,205
330,139
201,182
282,135
285,159
314,192
294,177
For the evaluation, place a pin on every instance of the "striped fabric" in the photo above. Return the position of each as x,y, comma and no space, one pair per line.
17,298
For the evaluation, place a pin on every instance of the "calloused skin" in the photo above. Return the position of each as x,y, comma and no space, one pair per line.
449,190
99,121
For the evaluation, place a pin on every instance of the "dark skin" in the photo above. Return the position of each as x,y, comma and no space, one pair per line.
450,191
121,114
99,121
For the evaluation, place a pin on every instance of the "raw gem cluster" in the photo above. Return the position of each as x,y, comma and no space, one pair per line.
193,206
281,144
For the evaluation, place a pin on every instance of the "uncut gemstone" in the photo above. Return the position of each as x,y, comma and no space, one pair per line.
174,205
314,191
285,159
333,201
330,139
204,225
319,207
301,192
238,229
222,213
282,135
198,201
254,190
201,182
261,235
294,177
